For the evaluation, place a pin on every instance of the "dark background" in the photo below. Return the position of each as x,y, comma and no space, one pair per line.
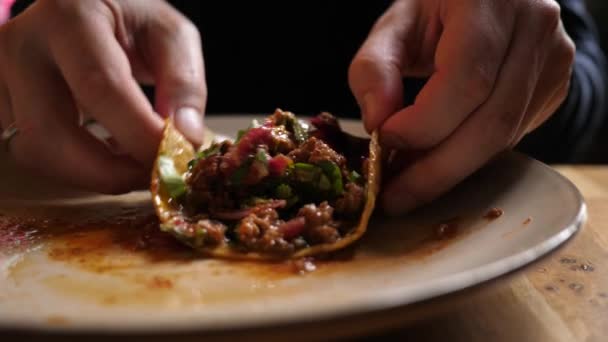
599,10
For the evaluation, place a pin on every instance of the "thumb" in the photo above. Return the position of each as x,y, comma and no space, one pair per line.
375,73
174,54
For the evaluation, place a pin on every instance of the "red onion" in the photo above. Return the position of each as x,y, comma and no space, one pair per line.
252,139
278,165
293,227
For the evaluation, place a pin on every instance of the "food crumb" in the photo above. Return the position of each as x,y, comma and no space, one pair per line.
567,260
582,267
493,214
551,288
576,287
304,265
527,221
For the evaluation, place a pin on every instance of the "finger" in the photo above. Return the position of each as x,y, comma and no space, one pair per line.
51,143
173,50
375,73
487,132
468,57
5,101
535,121
553,84
5,107
98,73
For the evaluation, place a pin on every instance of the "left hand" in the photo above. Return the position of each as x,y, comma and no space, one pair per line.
498,70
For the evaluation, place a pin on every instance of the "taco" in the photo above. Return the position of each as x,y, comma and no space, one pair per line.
285,188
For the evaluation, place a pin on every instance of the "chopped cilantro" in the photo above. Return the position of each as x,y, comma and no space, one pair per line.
354,177
305,172
299,132
262,156
208,152
239,175
283,191
334,174
171,180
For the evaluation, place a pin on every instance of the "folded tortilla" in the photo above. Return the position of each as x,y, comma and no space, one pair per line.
177,152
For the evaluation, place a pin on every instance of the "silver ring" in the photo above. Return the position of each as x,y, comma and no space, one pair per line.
8,134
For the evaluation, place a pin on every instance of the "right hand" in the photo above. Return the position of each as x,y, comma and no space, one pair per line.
61,58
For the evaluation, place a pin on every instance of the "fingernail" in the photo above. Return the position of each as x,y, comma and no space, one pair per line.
368,108
397,203
189,121
394,140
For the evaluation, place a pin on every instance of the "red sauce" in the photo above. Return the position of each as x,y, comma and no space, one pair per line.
87,243
103,241
493,214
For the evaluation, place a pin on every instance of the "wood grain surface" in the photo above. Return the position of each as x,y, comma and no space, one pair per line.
563,297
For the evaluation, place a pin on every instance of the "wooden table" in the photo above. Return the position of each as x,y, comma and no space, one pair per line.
563,297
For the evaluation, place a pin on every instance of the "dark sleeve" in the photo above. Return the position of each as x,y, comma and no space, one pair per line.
570,134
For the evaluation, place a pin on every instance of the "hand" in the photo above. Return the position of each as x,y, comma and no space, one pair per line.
497,70
61,58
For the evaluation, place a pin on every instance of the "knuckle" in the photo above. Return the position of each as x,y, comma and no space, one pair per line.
549,14
565,54
176,26
359,65
366,68
568,51
187,29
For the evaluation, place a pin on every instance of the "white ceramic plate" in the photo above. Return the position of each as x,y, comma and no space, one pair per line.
103,275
